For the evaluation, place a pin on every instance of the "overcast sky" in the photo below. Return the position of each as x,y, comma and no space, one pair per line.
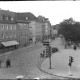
56,11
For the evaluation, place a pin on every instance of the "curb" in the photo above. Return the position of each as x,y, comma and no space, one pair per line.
54,74
65,77
7,53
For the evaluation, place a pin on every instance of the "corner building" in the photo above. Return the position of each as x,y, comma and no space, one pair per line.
8,31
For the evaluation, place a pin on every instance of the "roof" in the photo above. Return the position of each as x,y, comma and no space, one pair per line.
26,16
7,13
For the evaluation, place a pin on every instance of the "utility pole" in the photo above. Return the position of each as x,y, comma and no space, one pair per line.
49,54
50,62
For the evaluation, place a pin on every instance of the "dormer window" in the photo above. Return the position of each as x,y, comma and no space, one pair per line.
26,18
11,18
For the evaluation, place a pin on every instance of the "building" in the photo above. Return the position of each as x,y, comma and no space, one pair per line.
54,30
35,27
22,29
8,30
46,28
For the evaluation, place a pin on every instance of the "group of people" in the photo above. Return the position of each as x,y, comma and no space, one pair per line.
8,63
73,45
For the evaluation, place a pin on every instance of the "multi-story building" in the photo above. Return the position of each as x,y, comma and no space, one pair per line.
35,27
22,29
8,30
46,28
14,30
54,30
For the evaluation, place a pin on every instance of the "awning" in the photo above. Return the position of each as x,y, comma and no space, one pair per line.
10,43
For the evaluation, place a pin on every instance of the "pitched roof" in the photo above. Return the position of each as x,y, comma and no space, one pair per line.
7,13
23,16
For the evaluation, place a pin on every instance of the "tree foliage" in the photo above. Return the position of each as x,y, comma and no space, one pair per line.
70,29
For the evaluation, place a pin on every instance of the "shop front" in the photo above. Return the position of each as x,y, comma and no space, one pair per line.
9,45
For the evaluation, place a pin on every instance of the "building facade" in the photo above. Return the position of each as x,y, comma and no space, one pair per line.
54,31
8,30
36,29
46,28
22,29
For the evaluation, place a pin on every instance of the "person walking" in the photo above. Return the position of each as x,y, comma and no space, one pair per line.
8,63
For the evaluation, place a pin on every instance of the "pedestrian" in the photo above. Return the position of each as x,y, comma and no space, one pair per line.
8,63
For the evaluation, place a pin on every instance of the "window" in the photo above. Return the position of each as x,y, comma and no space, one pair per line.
10,27
26,18
6,36
14,27
2,27
2,36
6,27
14,34
11,18
10,36
6,18
0,17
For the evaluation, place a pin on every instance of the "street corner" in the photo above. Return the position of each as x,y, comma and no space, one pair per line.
45,67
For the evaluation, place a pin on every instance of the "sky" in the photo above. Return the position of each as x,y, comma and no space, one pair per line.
56,11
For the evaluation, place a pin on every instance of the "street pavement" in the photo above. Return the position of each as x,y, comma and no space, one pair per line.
26,62
60,62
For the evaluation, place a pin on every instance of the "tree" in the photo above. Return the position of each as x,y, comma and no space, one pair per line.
70,29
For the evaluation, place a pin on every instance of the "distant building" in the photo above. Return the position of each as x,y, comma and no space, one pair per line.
54,30
46,27
36,31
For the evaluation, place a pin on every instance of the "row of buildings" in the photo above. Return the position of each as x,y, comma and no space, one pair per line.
22,29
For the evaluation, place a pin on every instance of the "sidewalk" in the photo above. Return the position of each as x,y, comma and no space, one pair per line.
4,70
60,66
